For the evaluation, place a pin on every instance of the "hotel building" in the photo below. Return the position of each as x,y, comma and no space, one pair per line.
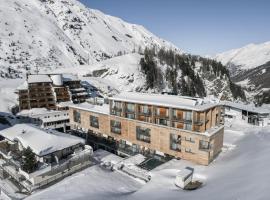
182,127
48,90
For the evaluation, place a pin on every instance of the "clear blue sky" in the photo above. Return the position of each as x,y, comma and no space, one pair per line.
201,27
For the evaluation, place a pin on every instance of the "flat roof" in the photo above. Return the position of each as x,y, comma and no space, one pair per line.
70,77
184,173
103,109
42,142
173,101
38,112
247,107
39,78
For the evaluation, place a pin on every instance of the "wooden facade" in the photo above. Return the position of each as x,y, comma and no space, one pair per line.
192,135
47,95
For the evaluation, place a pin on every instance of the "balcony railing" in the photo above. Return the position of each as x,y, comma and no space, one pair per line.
145,113
117,109
175,118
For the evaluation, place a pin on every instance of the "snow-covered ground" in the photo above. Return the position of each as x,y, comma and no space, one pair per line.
240,172
7,93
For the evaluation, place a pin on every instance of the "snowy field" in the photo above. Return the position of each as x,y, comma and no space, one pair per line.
240,172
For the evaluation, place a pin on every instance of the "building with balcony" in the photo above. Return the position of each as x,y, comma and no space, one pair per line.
56,155
49,90
182,127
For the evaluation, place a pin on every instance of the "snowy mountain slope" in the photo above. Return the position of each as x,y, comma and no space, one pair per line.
52,33
121,73
124,73
245,58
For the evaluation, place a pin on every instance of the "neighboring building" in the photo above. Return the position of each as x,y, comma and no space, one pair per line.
57,155
48,90
259,116
183,177
183,127
46,119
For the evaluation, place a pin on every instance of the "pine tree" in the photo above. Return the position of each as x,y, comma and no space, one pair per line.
29,163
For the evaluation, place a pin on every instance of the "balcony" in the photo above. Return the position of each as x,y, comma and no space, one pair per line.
117,109
200,122
145,113
178,119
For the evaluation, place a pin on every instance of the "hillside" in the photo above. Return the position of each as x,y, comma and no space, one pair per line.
51,33
245,58
249,67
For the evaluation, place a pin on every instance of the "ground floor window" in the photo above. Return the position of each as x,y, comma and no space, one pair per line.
175,142
94,121
115,127
143,134
204,145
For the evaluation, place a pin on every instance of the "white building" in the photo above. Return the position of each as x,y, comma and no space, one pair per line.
259,116
57,155
47,119
183,178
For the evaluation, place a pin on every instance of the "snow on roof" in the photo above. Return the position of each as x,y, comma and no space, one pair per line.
247,107
70,77
174,101
34,111
23,86
65,104
39,78
184,173
42,142
104,109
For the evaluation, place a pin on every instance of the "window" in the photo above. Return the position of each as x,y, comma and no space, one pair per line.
204,145
188,150
130,116
188,116
130,107
163,122
144,109
175,142
143,134
162,112
76,116
187,126
116,108
190,139
94,121
115,127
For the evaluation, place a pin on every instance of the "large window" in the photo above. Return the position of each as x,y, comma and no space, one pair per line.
204,145
77,116
163,122
115,127
94,121
188,116
187,126
130,107
143,134
144,109
116,108
175,142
